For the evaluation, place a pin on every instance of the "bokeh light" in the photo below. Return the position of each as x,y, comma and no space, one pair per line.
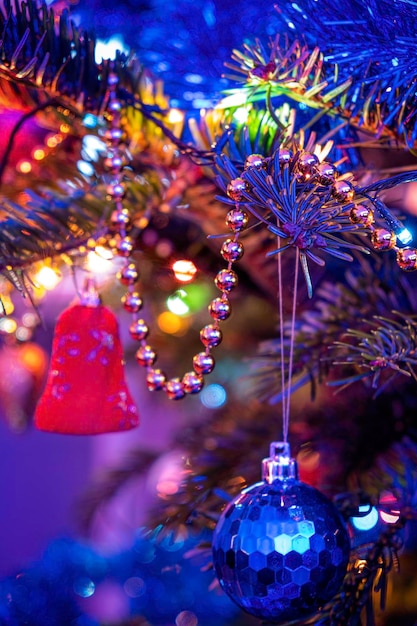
7,325
389,501
107,48
184,270
135,587
213,396
24,166
39,154
186,618
47,278
84,587
171,323
99,261
367,521
176,303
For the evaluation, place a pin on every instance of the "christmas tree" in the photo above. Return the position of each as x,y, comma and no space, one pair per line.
224,205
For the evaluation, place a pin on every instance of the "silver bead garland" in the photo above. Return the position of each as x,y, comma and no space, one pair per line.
308,169
226,280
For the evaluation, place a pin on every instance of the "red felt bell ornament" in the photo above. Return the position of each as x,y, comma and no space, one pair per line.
86,392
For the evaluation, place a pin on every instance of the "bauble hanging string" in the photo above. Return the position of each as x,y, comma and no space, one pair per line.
280,548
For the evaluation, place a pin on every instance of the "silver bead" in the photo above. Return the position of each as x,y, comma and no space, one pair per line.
307,161
235,189
211,336
231,250
116,190
192,382
407,259
128,275
237,220
326,173
132,302
114,163
146,356
306,165
138,330
124,246
114,106
113,135
284,156
361,214
342,191
112,79
120,218
383,239
155,380
174,389
226,280
203,363
256,161
220,309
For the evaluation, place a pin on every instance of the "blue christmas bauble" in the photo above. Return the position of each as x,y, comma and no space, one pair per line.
280,549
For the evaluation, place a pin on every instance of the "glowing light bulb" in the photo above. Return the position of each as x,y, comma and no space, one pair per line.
367,521
47,278
405,236
184,270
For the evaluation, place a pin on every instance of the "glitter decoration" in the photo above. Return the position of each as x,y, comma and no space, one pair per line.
280,548
86,392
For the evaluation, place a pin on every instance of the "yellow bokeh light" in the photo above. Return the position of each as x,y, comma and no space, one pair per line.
175,116
24,166
184,270
171,324
8,325
8,305
104,253
39,154
65,128
33,358
52,142
99,261
47,278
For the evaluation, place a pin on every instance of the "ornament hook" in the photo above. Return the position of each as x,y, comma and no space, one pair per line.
279,465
